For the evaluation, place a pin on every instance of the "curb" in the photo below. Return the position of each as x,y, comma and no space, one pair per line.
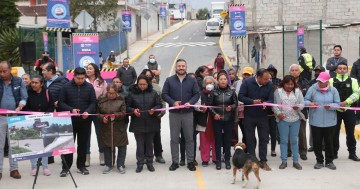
222,50
137,56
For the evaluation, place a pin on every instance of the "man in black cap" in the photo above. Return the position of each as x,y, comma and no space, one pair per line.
307,63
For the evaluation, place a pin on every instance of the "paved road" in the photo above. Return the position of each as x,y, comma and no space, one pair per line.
346,176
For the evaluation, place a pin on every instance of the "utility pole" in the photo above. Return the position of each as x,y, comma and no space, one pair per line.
127,36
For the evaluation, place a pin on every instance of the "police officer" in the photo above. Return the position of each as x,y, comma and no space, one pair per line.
307,64
348,91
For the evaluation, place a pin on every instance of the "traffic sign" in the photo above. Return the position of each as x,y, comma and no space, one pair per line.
147,16
84,19
223,14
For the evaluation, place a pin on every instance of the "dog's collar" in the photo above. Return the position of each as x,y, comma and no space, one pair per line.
238,147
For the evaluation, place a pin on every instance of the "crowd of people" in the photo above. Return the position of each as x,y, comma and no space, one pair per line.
209,103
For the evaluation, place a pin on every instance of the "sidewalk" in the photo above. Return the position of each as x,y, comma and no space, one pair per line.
138,48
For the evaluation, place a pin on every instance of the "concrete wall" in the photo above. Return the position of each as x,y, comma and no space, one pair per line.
262,13
149,26
349,39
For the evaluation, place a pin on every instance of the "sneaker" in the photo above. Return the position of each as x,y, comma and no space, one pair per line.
121,170
33,172
265,166
205,163
297,166
182,162
283,165
191,166
227,165
15,174
46,172
173,166
331,166
318,165
64,173
150,167
195,163
107,170
160,159
83,171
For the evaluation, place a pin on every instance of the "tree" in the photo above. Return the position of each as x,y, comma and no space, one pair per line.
101,10
9,46
9,14
202,14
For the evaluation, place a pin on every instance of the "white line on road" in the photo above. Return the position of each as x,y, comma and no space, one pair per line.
176,37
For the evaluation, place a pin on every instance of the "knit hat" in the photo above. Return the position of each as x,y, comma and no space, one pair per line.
323,77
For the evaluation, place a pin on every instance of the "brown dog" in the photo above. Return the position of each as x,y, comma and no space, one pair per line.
246,162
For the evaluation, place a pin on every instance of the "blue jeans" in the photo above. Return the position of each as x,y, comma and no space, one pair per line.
44,162
287,129
3,133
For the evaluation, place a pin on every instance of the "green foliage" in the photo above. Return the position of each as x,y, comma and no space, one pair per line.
19,150
9,46
23,134
9,14
100,10
202,14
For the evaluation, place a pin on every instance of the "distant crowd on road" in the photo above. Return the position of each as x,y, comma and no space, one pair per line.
208,103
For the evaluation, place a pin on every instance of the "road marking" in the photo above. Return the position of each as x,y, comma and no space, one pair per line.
192,44
199,178
176,37
173,65
205,37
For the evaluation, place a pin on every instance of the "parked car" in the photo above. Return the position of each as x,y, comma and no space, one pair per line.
213,27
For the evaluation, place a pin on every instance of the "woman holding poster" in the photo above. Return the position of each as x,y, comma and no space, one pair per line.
39,101
113,130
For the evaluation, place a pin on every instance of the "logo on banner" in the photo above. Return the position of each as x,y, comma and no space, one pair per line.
126,17
58,15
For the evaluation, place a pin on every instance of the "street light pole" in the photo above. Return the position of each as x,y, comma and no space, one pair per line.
126,35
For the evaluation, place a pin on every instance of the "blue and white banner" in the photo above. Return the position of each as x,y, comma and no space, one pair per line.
162,10
237,21
300,39
181,7
126,17
58,15
85,49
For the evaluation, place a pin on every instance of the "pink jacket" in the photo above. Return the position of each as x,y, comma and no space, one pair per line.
99,89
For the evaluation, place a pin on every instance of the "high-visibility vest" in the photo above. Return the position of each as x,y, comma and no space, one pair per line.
308,61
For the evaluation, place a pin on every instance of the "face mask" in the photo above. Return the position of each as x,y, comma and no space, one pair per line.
152,60
323,90
209,87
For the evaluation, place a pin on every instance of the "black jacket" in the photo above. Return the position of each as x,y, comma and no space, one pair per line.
39,102
56,86
144,101
186,91
127,76
80,97
223,97
355,70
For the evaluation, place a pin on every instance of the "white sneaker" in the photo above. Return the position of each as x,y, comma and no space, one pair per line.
121,170
107,170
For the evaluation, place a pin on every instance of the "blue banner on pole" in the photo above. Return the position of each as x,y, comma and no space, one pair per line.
163,11
181,7
58,15
300,39
85,49
126,17
237,21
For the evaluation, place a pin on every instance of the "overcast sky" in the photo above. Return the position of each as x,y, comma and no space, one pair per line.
197,4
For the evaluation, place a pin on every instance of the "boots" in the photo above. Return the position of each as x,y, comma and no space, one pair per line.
87,162
101,157
159,159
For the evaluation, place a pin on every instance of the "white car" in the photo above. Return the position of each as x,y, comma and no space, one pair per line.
213,27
